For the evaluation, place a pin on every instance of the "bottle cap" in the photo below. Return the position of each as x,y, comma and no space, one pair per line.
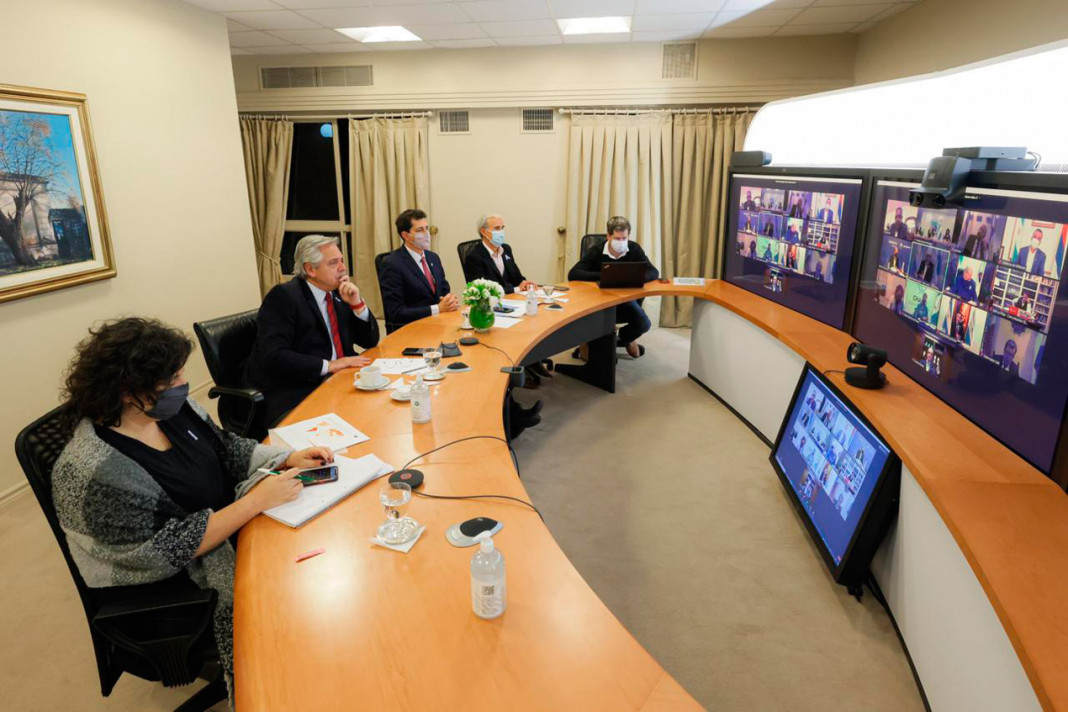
486,540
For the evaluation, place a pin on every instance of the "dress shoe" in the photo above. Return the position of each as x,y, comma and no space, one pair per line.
540,370
533,410
533,380
528,421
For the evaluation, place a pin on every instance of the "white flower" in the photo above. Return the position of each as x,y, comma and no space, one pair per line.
482,290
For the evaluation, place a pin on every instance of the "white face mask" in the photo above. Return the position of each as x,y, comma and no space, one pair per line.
1035,244
619,246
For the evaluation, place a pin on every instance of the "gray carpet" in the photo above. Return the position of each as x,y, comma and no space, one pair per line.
668,507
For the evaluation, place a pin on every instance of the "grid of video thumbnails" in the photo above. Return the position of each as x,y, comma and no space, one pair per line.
988,285
836,455
791,230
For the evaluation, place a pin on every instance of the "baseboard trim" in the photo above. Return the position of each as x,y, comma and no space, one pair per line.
729,407
12,493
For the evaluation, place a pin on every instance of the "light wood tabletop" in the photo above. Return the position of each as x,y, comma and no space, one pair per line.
360,626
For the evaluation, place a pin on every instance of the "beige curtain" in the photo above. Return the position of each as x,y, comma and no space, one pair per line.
702,145
389,170
618,165
267,145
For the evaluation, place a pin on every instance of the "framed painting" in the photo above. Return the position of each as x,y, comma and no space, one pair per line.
53,225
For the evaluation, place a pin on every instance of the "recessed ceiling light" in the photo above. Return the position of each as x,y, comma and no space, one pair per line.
594,25
389,33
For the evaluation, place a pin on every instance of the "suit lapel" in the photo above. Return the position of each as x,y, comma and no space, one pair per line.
317,315
416,270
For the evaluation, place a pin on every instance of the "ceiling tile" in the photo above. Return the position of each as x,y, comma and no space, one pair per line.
660,23
328,4
746,5
529,41
463,31
862,27
894,10
505,10
670,7
288,49
825,29
759,18
309,37
524,28
340,47
666,36
612,38
255,39
234,26
234,5
273,20
377,16
462,44
591,8
824,3
828,15
732,32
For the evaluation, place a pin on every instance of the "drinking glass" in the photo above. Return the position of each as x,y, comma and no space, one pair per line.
548,290
395,497
432,359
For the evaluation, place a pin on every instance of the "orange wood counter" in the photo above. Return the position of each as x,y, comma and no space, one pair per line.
362,626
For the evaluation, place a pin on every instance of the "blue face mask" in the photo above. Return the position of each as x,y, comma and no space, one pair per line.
169,402
497,237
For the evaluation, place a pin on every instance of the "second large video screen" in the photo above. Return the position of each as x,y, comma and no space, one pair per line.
790,240
967,300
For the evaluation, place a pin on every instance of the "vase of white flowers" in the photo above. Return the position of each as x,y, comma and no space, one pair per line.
481,295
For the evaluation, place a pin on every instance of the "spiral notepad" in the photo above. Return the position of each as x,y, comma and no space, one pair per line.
313,501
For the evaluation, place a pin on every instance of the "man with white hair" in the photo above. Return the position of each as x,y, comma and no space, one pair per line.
306,328
494,259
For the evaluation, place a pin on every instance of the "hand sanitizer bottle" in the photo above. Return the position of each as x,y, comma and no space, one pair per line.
488,595
532,302
420,401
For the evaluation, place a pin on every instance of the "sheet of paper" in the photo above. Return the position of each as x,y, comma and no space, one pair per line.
505,322
351,476
397,366
688,281
330,430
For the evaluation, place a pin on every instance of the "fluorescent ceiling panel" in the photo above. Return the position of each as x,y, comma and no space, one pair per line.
386,33
594,25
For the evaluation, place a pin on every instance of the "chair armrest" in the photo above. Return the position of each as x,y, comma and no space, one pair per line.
249,394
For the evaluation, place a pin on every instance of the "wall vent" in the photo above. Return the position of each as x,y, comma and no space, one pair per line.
537,120
454,122
357,75
679,60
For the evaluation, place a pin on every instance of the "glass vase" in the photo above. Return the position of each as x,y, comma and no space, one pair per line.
481,317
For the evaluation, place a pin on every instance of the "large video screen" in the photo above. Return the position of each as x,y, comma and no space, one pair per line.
790,239
831,460
967,301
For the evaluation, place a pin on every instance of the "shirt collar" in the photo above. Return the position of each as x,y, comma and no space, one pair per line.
608,253
500,252
415,255
320,295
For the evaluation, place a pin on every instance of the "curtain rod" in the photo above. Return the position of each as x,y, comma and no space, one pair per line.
666,110
331,117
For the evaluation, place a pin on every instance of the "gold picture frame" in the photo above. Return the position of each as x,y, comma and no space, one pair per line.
53,223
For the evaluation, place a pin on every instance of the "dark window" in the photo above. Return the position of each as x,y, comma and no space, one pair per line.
312,178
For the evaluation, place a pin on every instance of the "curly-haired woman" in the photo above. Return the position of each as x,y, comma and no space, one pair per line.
149,489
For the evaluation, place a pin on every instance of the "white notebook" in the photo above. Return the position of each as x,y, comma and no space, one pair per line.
330,430
314,500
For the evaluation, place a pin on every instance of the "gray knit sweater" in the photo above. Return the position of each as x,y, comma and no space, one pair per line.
123,529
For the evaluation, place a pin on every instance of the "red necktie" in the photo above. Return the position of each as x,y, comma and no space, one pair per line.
334,333
429,279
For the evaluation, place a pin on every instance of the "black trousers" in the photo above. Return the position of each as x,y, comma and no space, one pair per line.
635,322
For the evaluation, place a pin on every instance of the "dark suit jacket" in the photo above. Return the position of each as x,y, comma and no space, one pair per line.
1039,265
588,269
292,341
406,295
925,271
479,265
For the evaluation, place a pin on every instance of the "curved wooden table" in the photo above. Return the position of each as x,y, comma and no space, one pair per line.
364,627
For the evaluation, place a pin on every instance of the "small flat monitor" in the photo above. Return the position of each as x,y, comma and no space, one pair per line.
840,475
790,237
966,300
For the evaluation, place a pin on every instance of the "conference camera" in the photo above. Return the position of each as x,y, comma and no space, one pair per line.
872,359
943,181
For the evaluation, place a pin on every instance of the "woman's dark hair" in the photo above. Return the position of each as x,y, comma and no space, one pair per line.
130,356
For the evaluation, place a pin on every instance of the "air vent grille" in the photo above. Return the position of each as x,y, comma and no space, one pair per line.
537,120
358,75
679,60
454,122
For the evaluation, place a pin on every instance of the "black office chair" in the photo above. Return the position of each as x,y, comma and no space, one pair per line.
379,261
227,342
463,250
588,241
164,637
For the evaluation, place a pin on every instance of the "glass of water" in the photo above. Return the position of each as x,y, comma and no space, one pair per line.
432,359
548,290
395,497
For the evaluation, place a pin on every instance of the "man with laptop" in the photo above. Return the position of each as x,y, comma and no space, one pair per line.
620,262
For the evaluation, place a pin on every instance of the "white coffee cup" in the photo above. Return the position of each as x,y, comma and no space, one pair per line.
369,377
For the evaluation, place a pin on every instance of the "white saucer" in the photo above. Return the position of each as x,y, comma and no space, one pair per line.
398,396
466,328
380,386
431,376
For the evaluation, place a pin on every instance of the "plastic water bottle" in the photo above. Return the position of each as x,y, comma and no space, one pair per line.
532,302
420,401
489,596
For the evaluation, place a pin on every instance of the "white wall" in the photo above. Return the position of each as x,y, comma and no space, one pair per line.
161,100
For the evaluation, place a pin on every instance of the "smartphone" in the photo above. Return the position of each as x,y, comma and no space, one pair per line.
320,475
413,351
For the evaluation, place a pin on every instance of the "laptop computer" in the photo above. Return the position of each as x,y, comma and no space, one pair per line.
622,274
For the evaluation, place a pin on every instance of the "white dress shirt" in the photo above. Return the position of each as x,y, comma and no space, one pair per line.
419,263
320,299
608,252
498,257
